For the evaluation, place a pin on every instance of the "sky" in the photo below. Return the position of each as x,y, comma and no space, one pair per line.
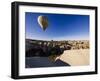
60,27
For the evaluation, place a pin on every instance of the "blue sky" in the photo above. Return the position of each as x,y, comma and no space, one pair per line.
60,27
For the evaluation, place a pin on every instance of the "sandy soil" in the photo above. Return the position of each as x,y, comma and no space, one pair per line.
75,57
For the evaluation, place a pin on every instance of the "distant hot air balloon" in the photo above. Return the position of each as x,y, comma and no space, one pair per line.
43,22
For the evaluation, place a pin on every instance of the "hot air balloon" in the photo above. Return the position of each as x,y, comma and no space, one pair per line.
43,22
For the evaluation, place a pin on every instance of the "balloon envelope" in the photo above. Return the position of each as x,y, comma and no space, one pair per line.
43,22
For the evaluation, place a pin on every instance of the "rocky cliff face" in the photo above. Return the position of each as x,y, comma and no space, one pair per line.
47,48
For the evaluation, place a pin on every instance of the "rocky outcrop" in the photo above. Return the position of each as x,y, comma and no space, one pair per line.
47,48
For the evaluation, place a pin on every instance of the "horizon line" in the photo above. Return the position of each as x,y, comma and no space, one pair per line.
57,40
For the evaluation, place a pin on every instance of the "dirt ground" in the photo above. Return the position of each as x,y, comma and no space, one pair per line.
76,57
